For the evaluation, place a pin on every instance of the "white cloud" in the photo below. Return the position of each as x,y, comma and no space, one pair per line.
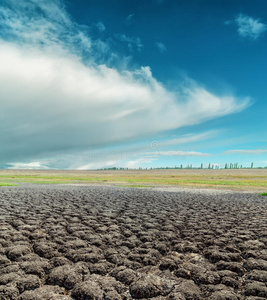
189,138
98,165
132,164
249,27
246,152
179,153
29,166
42,23
162,48
55,100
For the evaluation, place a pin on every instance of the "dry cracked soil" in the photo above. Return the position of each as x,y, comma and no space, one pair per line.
100,242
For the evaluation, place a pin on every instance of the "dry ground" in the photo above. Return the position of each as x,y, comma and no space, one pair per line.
103,242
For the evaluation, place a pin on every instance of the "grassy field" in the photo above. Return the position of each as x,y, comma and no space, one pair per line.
7,184
252,179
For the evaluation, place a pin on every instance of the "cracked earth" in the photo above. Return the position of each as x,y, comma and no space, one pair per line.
101,242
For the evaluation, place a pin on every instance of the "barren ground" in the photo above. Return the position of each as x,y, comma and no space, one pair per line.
104,242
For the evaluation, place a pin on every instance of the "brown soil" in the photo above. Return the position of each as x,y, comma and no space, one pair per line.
76,242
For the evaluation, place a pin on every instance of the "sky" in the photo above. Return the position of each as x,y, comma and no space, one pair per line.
89,84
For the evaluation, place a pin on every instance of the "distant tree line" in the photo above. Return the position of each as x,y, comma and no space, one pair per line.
190,166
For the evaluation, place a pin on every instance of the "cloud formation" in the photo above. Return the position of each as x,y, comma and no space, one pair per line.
56,97
249,27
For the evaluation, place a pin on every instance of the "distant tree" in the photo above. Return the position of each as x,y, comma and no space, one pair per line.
226,166
251,165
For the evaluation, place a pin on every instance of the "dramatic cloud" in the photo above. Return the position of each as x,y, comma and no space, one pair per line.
161,47
249,27
57,98
246,152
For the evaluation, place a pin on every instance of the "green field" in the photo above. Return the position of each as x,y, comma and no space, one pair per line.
252,179
7,184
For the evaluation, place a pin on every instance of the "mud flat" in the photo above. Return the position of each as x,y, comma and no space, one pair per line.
101,242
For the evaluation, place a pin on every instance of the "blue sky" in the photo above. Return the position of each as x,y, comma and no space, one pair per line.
96,84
